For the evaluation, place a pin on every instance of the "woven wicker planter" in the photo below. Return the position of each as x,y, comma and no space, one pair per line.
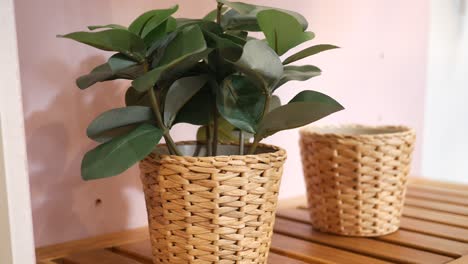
356,177
212,209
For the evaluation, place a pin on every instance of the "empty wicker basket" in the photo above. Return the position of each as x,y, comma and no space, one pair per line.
212,209
356,177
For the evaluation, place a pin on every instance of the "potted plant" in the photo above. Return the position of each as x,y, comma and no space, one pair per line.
212,200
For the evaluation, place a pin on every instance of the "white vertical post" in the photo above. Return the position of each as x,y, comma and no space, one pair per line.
16,233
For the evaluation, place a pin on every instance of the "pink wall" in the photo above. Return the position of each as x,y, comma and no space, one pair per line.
378,75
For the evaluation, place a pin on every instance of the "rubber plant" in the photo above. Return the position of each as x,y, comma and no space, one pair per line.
208,72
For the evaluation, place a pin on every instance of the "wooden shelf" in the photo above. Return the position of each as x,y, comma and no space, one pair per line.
434,229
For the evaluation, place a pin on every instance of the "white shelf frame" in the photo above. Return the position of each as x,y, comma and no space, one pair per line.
16,231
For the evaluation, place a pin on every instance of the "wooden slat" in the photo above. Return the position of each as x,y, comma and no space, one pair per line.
440,190
420,181
409,224
139,250
99,242
370,247
434,229
462,260
437,206
437,197
274,258
438,245
315,253
101,256
438,217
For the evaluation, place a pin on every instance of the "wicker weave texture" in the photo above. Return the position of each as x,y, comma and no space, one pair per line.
212,209
356,182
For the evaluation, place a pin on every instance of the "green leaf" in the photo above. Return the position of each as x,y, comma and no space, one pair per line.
113,40
308,52
227,48
275,102
240,102
227,133
242,8
134,97
140,22
244,16
282,31
114,26
178,47
102,128
314,96
157,19
261,63
298,73
304,108
119,62
160,32
104,72
198,109
211,16
179,94
232,20
178,56
119,154
101,73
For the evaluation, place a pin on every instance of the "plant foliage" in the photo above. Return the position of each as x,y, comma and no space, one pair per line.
207,72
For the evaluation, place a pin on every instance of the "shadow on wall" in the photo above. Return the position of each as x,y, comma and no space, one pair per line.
57,114
64,206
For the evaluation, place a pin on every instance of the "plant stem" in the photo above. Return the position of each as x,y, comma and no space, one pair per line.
209,151
218,14
254,145
157,112
215,130
241,142
265,111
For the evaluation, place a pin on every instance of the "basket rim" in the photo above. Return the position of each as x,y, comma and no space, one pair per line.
339,131
276,150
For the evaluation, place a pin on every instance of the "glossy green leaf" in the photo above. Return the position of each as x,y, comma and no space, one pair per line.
308,52
227,133
198,109
178,47
101,73
240,7
114,26
241,102
104,72
177,57
304,108
160,32
314,96
227,48
119,62
211,16
298,73
134,97
180,92
158,18
186,22
260,63
244,16
232,20
119,154
282,31
103,128
113,40
275,102
138,25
